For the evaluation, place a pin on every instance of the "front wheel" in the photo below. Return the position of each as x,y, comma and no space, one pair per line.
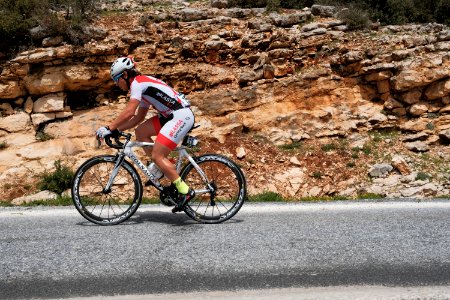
106,207
220,188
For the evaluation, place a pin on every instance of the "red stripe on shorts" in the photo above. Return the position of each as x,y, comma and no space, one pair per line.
166,142
156,124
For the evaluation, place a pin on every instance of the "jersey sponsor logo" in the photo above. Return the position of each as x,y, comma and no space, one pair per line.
169,101
179,125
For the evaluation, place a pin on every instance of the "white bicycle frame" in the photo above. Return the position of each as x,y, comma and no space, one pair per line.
127,151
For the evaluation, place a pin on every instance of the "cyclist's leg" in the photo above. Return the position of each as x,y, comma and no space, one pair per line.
159,156
146,130
169,136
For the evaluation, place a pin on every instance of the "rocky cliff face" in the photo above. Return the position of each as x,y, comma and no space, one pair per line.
307,107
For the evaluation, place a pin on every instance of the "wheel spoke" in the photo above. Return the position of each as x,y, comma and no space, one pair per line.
228,183
109,207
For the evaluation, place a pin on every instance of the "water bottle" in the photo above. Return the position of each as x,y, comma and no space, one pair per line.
155,171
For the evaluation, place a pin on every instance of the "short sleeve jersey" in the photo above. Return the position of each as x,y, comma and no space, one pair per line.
154,92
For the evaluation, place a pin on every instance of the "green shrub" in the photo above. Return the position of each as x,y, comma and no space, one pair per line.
317,174
351,164
291,147
59,201
273,5
19,16
355,18
423,176
266,197
328,147
43,136
58,181
3,145
370,196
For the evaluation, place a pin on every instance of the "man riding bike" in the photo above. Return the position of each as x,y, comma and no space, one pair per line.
170,126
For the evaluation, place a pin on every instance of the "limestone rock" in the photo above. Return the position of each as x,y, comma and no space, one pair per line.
43,195
11,90
45,84
401,165
323,10
219,3
294,160
418,109
15,123
409,79
50,103
380,170
438,90
288,20
240,153
417,146
40,118
412,96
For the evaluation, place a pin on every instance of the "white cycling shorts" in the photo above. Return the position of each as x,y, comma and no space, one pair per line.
172,130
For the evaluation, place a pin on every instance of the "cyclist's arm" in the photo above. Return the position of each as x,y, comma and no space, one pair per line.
125,116
136,119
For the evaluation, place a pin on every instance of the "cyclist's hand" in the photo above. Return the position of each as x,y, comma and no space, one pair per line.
102,132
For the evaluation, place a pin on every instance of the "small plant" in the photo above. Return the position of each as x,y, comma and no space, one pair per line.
273,5
430,126
328,147
266,197
355,154
58,181
42,136
370,196
355,18
292,146
423,176
3,145
59,201
351,164
317,174
367,150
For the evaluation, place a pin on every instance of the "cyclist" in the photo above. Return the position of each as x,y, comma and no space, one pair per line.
170,126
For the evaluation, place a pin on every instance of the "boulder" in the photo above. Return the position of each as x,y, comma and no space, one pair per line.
43,195
401,165
288,20
323,10
409,79
50,103
438,90
52,82
11,90
15,123
380,170
219,3
417,146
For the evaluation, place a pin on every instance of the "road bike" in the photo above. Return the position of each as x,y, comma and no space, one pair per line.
108,189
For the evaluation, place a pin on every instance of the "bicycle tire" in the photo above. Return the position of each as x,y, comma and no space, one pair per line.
229,184
106,208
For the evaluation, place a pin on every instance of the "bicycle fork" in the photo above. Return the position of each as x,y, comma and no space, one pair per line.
119,159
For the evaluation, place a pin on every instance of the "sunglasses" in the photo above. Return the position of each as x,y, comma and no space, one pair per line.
117,77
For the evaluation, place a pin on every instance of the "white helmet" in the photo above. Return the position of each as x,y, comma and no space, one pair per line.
121,64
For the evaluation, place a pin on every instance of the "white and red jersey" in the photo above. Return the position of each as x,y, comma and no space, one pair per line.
154,92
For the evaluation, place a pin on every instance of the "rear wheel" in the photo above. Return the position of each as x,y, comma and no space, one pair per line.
220,193
106,207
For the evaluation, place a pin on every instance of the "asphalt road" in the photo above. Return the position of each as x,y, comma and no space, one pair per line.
54,253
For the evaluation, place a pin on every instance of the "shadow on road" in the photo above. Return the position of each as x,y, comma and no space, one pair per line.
179,219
